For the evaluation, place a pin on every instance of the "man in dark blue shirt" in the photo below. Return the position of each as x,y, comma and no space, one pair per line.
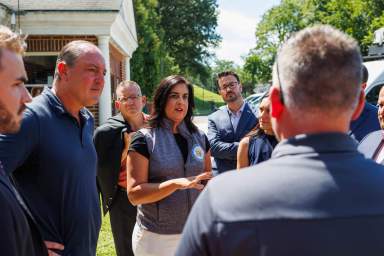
19,234
317,195
367,121
52,157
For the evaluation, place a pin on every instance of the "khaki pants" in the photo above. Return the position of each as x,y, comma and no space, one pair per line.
146,243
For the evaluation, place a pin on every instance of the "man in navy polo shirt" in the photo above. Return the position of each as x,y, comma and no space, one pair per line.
317,195
52,158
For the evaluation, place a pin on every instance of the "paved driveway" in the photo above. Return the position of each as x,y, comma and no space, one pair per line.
201,122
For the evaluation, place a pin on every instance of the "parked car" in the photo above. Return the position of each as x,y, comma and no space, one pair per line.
375,80
254,101
374,62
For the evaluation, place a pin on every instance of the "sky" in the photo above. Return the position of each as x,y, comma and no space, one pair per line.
237,25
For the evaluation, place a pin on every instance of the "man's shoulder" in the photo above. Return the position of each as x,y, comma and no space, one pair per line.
244,189
278,178
236,179
222,110
369,143
39,105
371,108
375,135
112,124
110,130
248,110
371,112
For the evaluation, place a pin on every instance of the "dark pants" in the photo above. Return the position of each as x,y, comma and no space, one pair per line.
123,219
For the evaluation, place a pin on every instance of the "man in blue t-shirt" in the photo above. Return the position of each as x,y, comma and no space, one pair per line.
52,158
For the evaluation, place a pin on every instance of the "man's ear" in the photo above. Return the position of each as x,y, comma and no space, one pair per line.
117,105
360,106
277,107
143,100
62,69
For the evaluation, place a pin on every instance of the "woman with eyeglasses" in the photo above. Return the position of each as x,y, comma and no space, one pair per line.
165,167
258,144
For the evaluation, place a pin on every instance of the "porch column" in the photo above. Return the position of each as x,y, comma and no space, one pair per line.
127,68
105,102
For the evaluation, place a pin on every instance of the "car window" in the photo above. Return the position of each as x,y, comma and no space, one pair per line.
373,94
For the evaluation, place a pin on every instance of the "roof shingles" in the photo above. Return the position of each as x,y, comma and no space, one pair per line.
86,5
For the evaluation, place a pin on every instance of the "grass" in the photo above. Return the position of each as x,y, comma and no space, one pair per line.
206,100
105,245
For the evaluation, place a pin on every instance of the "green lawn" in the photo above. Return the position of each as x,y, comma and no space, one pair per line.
206,100
105,245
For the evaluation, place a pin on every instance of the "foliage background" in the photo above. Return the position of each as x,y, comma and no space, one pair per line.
174,37
358,18
178,37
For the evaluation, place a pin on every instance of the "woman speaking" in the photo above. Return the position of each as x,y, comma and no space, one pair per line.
165,166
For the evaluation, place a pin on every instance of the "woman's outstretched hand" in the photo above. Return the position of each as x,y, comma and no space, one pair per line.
193,181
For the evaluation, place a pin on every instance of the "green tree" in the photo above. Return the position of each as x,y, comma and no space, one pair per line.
173,37
257,68
350,16
276,25
145,63
223,65
150,62
358,18
189,31
376,10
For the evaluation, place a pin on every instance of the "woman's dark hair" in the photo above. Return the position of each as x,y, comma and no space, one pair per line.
257,131
160,98
365,74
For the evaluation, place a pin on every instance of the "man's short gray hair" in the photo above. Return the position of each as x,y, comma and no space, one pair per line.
71,52
126,83
319,69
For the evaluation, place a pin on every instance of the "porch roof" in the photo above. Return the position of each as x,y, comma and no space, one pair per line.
67,5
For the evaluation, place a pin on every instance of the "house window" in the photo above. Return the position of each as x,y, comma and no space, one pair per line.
40,70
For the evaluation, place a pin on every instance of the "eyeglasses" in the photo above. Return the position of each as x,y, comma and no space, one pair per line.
278,79
126,99
230,85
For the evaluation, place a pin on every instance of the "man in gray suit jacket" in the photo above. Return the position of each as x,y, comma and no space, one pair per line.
372,146
228,125
317,195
